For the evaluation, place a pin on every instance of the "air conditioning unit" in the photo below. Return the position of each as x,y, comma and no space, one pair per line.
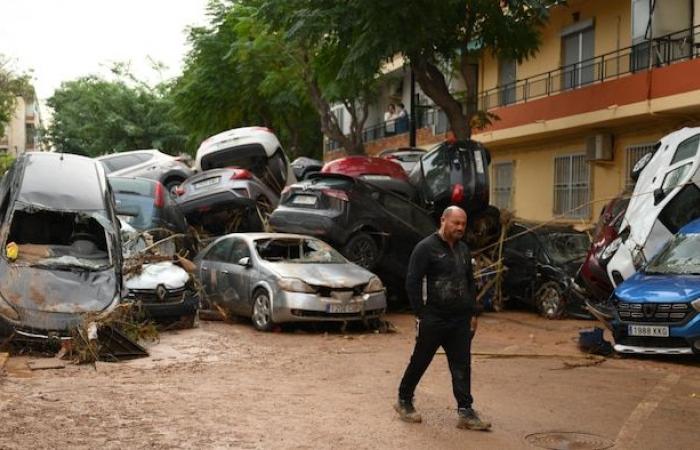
599,147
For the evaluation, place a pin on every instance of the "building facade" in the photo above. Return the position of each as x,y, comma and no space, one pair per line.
609,80
22,133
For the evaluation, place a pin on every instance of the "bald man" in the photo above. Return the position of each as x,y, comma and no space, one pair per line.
447,317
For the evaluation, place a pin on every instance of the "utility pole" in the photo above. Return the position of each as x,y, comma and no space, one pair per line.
412,105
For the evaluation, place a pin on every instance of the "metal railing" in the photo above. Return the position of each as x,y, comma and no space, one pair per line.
665,50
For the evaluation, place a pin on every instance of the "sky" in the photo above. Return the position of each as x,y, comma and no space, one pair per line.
62,40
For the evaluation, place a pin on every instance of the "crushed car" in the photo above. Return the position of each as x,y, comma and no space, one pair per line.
61,246
372,227
666,196
407,157
378,171
657,310
152,164
304,166
275,278
541,265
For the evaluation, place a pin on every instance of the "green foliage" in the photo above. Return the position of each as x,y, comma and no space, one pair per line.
12,85
238,73
93,116
5,163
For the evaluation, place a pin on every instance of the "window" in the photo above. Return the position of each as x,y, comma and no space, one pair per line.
436,170
221,251
578,48
506,81
339,112
503,185
633,154
686,149
120,162
683,208
239,249
571,186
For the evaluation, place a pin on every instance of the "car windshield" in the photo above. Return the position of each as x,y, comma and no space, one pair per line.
565,247
681,256
134,201
298,251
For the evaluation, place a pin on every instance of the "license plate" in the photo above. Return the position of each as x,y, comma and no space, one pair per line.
345,308
308,200
207,182
648,330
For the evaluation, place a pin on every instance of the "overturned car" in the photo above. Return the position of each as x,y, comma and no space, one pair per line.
61,254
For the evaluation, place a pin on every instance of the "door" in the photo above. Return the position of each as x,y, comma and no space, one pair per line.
210,268
579,67
506,81
520,254
236,278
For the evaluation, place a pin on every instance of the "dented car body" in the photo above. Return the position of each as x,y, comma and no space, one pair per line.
61,254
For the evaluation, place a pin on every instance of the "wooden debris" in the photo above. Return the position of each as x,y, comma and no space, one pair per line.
46,364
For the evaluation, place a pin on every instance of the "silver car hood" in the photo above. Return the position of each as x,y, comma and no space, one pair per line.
344,275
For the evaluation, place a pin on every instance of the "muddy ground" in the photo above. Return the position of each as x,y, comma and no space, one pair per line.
225,385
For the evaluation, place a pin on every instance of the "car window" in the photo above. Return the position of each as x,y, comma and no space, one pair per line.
239,249
566,247
675,177
409,213
120,162
680,256
220,251
686,149
436,170
298,251
278,168
525,244
683,208
143,157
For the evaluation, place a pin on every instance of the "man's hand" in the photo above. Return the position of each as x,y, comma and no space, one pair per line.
474,325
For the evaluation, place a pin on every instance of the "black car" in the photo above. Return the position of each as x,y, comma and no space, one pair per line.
304,166
145,205
542,262
373,227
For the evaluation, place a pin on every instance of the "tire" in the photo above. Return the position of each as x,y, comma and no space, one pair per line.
362,250
640,165
262,311
550,301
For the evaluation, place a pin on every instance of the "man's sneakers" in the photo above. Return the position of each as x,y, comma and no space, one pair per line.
407,412
470,420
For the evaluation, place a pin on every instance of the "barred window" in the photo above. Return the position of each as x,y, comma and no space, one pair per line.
503,185
572,186
633,154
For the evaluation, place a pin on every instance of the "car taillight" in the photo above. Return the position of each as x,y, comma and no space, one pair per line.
457,194
159,197
336,193
241,174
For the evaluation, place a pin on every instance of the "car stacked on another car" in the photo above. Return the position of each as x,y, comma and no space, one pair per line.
151,164
378,171
407,157
274,278
657,310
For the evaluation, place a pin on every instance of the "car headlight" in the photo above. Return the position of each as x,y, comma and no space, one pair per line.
7,310
696,304
294,285
374,285
611,249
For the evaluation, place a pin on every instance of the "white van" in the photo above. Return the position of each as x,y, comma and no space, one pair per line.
666,197
256,149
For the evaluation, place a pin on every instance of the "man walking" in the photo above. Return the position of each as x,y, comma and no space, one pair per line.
447,318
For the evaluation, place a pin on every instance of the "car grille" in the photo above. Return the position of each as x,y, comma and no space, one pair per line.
150,296
653,312
666,342
341,293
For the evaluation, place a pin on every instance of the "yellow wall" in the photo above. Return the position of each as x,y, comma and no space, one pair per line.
612,22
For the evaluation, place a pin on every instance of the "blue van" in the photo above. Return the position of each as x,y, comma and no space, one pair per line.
657,310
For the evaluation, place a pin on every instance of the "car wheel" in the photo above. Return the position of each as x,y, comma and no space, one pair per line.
549,300
171,185
640,165
262,311
362,250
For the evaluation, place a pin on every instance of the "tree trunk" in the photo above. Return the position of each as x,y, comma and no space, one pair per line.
433,83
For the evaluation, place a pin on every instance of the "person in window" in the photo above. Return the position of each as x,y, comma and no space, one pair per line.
390,120
446,318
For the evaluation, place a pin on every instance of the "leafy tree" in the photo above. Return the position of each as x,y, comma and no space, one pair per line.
240,74
12,85
93,116
428,34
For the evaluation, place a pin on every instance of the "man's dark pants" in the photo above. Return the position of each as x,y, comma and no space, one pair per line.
454,336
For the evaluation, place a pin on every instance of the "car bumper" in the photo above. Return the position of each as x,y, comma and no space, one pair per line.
223,199
683,339
186,306
302,307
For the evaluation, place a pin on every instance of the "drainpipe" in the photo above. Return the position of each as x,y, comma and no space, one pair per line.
411,104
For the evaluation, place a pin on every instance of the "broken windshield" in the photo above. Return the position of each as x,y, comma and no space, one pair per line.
58,240
298,251
565,247
681,256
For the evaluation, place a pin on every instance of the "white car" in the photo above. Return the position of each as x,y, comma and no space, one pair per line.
256,149
666,197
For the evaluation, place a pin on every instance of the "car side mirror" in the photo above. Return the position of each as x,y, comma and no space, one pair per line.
659,195
245,261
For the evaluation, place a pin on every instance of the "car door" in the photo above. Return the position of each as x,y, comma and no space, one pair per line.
520,254
210,269
238,277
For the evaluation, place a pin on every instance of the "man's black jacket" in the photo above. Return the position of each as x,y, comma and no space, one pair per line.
449,277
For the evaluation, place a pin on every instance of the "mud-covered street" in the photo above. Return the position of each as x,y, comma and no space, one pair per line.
225,385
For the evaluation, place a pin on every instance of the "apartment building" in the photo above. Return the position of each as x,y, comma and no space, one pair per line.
609,80
22,132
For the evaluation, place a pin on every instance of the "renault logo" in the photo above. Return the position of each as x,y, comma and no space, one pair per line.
649,310
161,292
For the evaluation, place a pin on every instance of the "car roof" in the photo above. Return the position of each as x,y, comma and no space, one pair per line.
691,227
130,152
62,181
250,237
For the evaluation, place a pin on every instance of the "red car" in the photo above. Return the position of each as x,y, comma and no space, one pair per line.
593,272
379,171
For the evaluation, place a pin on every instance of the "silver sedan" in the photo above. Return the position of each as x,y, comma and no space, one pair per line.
275,278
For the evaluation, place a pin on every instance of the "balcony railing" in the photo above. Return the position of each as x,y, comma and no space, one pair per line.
671,48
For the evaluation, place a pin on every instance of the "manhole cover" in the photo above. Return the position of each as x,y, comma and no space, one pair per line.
561,440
